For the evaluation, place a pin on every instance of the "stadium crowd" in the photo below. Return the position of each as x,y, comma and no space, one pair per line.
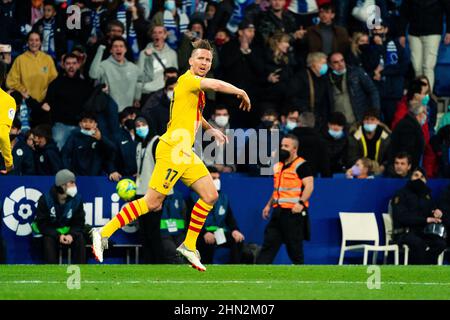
360,102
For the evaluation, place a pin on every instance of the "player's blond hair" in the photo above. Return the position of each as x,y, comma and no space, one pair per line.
202,44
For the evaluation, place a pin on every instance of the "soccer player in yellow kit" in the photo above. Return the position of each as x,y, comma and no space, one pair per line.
7,113
175,158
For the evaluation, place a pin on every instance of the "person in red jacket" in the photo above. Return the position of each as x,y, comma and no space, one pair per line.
418,90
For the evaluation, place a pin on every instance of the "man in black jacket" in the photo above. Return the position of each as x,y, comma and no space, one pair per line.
241,65
66,96
87,152
126,143
311,89
312,147
425,19
47,159
412,209
60,219
408,136
336,138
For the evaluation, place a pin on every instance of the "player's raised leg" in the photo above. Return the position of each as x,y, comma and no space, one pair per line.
204,187
152,201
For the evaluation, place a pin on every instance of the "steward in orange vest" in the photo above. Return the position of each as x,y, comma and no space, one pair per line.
289,224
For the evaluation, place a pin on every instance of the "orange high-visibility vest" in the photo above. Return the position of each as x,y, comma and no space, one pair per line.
287,185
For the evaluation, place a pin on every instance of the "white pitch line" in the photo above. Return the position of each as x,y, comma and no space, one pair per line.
226,282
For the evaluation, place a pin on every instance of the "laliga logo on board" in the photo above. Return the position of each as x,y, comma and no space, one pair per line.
18,210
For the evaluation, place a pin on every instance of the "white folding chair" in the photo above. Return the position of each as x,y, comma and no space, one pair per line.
362,226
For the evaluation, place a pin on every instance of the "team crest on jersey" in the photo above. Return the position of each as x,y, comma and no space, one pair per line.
11,113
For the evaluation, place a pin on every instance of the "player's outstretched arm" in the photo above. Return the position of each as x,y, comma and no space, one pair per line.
225,87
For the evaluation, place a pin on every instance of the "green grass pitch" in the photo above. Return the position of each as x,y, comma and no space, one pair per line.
238,282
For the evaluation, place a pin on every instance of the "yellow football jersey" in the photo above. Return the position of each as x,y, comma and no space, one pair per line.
7,108
186,110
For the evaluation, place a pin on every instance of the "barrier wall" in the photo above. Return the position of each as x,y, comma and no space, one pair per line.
19,195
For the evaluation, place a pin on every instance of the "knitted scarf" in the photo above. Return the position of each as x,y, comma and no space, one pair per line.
302,6
174,31
130,35
238,14
48,37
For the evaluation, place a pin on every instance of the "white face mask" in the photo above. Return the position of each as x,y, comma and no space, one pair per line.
222,121
170,94
217,184
291,125
72,191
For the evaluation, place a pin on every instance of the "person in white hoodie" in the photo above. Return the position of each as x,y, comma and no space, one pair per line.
163,57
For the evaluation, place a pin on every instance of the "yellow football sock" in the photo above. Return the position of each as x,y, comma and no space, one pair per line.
129,213
198,217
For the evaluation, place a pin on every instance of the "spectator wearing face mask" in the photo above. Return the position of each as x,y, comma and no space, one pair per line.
60,219
337,142
352,90
408,135
220,228
289,121
413,208
125,144
222,37
47,159
87,152
293,186
151,100
21,152
220,119
157,108
371,140
363,168
311,90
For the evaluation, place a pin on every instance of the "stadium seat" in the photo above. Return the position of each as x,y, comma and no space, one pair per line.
441,257
388,227
362,226
69,254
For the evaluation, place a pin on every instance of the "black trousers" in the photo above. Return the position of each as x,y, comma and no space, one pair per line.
150,235
424,249
284,227
51,248
169,244
207,250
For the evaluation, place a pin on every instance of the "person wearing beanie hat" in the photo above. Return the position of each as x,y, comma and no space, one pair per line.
413,209
60,219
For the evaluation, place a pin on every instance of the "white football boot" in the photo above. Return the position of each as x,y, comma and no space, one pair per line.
98,244
192,256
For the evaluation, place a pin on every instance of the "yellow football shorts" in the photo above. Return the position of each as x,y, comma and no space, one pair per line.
172,163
